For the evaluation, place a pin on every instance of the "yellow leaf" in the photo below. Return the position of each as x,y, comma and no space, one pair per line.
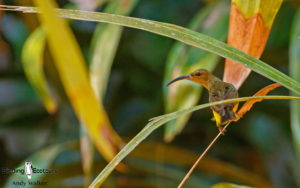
72,70
32,59
266,8
228,185
249,27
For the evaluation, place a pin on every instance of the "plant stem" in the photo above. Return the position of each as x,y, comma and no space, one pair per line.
201,156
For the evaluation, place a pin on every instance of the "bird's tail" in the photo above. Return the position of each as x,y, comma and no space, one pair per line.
228,115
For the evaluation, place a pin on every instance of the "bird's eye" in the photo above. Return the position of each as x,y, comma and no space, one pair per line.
226,87
198,74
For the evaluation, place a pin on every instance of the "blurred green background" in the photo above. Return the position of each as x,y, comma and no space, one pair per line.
260,143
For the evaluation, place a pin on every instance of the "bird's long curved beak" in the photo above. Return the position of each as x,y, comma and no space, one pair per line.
179,78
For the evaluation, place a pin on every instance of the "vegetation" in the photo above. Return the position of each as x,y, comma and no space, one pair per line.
78,93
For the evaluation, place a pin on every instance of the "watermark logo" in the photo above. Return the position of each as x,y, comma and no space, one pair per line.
29,172
28,169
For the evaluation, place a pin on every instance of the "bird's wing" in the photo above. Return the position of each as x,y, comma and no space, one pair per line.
229,92
223,112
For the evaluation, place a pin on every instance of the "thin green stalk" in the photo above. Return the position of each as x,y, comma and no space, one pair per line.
295,73
202,155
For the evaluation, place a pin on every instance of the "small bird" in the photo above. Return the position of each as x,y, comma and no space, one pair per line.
218,90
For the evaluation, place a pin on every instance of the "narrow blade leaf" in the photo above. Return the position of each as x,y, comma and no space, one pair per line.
181,34
158,122
249,28
183,59
228,185
72,70
104,46
295,73
32,59
248,105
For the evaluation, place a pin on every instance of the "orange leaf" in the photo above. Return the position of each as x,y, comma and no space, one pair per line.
248,105
249,27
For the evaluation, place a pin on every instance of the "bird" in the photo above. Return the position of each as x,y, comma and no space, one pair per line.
218,90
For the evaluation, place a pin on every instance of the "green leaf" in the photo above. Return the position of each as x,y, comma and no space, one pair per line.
103,49
104,46
266,8
228,185
32,59
183,59
87,152
181,34
71,67
295,73
157,122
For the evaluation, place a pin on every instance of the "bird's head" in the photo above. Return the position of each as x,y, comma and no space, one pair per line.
200,76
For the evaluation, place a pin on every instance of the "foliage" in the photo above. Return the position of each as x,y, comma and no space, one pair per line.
183,59
294,69
258,152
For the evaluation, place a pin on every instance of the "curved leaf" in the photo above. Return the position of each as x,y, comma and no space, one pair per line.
72,70
249,28
158,122
179,33
228,185
104,46
32,59
295,73
266,8
182,59
248,105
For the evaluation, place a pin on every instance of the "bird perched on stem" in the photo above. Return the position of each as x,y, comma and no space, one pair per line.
218,90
